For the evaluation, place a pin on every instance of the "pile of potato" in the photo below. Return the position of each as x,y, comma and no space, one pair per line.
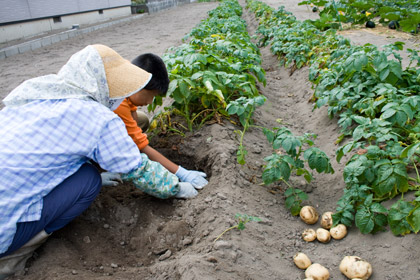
352,267
309,215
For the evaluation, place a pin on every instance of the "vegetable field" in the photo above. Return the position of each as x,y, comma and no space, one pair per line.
280,113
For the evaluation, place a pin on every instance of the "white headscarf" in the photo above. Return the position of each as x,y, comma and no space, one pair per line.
82,77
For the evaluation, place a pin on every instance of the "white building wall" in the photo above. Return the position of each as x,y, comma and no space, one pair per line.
19,10
27,29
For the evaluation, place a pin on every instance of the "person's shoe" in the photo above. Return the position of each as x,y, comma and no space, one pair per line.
16,261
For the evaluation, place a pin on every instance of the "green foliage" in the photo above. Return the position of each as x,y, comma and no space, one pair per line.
244,109
375,99
294,198
405,12
280,165
219,64
138,2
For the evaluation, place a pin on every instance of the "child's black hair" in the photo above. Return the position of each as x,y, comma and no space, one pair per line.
154,65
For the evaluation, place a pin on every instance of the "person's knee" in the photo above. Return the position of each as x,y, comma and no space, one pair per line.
93,181
142,120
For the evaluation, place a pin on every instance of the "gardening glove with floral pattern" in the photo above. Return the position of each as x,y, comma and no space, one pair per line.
196,178
110,179
186,190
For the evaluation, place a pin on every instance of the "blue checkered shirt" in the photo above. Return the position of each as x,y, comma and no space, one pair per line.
44,142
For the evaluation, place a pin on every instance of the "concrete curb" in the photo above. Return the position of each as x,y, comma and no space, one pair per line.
52,39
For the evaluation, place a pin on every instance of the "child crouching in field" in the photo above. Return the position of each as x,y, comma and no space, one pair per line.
133,119
52,128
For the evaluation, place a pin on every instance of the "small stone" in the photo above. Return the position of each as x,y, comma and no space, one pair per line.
114,265
165,256
208,199
160,251
221,196
212,259
86,239
106,226
187,241
74,272
222,245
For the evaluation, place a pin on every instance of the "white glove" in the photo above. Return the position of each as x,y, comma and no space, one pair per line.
110,179
196,178
186,190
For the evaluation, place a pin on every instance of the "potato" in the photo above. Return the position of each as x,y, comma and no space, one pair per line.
317,272
301,260
309,215
323,235
355,267
309,235
326,220
338,232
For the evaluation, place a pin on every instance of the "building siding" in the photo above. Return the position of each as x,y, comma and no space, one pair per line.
21,10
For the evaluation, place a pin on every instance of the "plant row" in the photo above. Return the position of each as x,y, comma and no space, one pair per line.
401,14
218,64
377,104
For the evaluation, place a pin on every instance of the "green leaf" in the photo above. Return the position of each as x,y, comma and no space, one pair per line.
413,219
364,220
183,88
378,208
409,151
232,109
172,86
289,202
388,113
397,215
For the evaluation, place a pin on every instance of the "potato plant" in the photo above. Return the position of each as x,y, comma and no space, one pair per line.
290,155
244,109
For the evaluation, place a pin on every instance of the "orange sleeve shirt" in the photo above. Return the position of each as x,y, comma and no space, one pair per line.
124,111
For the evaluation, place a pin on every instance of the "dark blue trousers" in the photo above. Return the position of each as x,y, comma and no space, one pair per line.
64,203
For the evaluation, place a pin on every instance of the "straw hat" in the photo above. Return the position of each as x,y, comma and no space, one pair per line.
124,79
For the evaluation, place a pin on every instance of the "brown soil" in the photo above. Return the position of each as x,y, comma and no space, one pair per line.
128,235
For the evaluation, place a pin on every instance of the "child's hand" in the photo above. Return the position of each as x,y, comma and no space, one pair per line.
110,179
186,190
195,178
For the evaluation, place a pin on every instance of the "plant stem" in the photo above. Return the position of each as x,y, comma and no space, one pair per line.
236,226
417,171
290,186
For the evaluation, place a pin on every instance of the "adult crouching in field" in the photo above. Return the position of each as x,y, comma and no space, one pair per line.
53,127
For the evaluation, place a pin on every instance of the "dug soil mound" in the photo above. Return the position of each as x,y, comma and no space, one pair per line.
126,234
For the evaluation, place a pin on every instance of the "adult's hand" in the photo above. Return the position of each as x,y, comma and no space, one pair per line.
110,179
195,178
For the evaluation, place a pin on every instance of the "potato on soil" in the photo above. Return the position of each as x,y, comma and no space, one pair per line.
309,235
301,260
326,220
323,235
338,232
317,272
309,215
355,267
